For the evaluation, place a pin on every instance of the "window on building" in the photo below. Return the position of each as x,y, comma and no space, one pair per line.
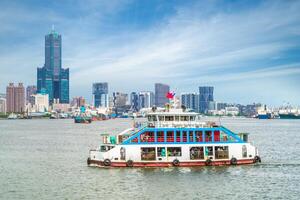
160,136
199,136
196,153
208,136
209,151
221,152
148,153
170,136
147,136
161,151
191,137
174,151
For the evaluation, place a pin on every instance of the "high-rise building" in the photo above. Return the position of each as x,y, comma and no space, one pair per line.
145,100
190,101
160,94
119,99
41,102
100,94
52,77
15,98
206,94
134,101
2,105
30,90
78,102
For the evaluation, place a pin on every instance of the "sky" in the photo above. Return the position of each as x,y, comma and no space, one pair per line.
248,50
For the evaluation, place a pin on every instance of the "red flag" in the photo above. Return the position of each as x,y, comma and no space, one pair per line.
170,95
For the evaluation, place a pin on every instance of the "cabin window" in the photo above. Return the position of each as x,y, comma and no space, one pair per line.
105,148
147,136
170,136
184,136
176,118
199,136
221,152
209,151
148,153
161,151
174,151
152,118
122,153
208,136
184,118
160,136
223,136
192,118
191,136
161,118
196,153
178,136
217,136
169,118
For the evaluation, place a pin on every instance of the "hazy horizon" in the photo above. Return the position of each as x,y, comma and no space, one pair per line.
249,51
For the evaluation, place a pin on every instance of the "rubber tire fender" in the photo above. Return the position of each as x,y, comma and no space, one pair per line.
257,159
129,163
176,162
233,161
208,162
107,162
88,161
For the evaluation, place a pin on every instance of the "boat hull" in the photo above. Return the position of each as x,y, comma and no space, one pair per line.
101,164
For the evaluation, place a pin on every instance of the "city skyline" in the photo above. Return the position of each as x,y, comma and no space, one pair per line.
246,50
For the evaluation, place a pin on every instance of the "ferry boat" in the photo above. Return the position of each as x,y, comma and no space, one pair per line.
174,138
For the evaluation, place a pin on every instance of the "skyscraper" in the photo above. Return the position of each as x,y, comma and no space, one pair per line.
190,101
206,95
134,101
15,98
100,94
52,77
30,90
160,94
145,100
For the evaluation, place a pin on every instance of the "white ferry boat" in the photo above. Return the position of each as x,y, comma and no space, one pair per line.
174,137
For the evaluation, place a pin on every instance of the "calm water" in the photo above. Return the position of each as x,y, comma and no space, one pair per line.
46,159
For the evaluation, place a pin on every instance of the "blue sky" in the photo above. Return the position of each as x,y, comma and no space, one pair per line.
248,50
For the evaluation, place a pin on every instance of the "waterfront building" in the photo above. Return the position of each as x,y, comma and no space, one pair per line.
60,107
120,99
100,94
190,101
145,100
30,90
206,94
41,102
160,94
2,105
52,77
232,110
78,102
134,101
15,98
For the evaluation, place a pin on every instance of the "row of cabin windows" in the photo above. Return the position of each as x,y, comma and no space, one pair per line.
187,136
153,118
196,153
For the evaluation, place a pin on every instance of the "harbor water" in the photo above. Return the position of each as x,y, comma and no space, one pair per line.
46,159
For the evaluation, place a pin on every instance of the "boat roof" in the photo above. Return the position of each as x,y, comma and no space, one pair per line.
173,112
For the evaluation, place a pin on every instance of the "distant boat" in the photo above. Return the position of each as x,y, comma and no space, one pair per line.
83,119
289,116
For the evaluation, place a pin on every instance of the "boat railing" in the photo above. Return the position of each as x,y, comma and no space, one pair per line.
179,124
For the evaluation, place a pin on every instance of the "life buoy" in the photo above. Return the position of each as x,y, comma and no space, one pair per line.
257,159
208,162
129,163
88,161
176,162
233,161
107,162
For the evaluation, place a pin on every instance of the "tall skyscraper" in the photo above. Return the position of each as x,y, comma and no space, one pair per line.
206,95
15,98
52,77
134,101
30,90
190,101
145,100
160,94
100,94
